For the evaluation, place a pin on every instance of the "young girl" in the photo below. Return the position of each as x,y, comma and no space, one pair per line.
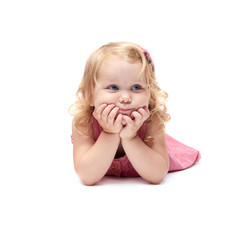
119,119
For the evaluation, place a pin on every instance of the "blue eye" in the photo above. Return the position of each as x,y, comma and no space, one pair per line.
136,87
113,87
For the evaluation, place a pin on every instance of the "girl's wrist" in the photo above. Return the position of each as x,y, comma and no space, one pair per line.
128,138
110,133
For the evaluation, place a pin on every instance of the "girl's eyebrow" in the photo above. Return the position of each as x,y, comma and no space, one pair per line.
137,80
111,80
107,80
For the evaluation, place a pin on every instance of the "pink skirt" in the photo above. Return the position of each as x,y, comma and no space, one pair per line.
181,156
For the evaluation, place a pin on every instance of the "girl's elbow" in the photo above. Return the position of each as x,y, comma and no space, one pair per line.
88,183
158,179
86,180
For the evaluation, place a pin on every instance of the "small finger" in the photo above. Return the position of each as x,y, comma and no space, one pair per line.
136,114
144,112
141,111
112,114
137,117
106,111
119,118
98,111
128,120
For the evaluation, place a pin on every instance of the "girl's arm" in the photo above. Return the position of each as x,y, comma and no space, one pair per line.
151,159
93,159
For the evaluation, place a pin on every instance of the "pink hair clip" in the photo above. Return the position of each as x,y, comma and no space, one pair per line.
149,59
145,51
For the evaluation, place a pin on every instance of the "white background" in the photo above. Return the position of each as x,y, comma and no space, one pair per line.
43,48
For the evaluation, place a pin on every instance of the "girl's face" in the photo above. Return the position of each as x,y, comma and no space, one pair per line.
119,84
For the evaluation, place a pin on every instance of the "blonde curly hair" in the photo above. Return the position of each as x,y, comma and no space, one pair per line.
81,109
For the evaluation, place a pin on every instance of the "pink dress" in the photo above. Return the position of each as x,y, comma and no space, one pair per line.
180,156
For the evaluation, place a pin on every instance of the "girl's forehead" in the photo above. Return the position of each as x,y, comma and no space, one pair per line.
115,67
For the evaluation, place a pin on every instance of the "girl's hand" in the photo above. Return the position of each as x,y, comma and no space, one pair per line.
106,116
134,122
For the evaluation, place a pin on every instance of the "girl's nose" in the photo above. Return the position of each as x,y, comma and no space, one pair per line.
125,99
